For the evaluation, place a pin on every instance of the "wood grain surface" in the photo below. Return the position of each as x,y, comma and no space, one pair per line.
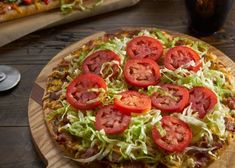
31,53
48,150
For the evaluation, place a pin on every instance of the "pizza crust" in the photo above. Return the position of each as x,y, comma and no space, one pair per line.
29,10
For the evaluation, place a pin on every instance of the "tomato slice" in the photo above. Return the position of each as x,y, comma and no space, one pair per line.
144,47
78,94
133,102
178,134
94,62
28,2
170,98
202,99
142,72
46,2
111,120
179,56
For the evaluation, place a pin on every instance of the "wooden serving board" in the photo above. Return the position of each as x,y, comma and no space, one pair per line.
44,144
12,30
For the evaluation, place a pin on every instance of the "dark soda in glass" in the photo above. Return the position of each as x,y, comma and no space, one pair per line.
207,16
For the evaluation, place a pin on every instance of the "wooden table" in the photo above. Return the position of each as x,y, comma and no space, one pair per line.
32,52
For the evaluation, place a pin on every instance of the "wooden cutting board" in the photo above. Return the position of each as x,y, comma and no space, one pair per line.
45,146
12,30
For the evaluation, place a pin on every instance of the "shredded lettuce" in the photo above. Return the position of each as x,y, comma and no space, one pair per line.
116,45
199,127
188,163
195,148
116,83
152,89
212,79
216,122
134,143
59,112
200,47
212,124
163,37
114,80
77,4
75,62
173,160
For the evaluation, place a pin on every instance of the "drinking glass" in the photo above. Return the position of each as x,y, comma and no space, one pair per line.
207,16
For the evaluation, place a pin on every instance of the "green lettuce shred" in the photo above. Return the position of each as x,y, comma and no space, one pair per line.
77,4
116,45
216,122
212,79
59,112
200,47
134,143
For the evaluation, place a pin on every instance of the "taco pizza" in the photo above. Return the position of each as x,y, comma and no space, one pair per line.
13,9
141,98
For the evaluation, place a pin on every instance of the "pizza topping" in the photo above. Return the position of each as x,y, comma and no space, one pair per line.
230,124
83,126
15,4
122,137
4,8
177,135
111,120
202,99
181,56
141,72
93,63
16,7
65,6
55,95
202,159
63,137
46,2
68,6
28,2
132,102
230,102
144,47
170,98
89,153
78,94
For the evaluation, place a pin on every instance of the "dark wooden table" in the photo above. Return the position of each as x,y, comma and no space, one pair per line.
31,53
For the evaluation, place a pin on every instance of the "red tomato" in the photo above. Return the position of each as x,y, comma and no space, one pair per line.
178,134
144,47
142,72
78,94
133,102
94,62
28,2
202,99
111,120
180,55
46,2
171,98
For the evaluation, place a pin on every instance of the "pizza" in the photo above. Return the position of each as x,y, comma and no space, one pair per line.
13,9
141,98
